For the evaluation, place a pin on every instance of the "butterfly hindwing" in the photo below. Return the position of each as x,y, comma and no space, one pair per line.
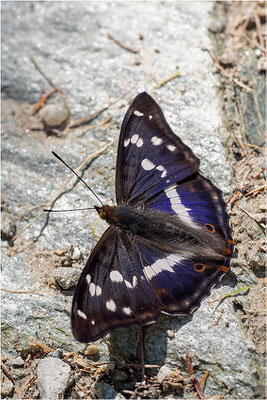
150,156
112,291
180,282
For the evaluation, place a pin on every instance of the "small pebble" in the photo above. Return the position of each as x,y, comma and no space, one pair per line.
59,252
163,373
170,334
67,277
53,378
8,227
54,114
7,388
92,349
76,253
58,353
18,362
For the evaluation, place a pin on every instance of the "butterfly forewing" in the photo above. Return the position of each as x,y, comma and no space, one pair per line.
197,201
150,156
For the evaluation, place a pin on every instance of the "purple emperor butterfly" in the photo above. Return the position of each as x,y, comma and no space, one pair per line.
169,239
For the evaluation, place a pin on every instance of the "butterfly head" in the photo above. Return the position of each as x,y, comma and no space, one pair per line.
106,212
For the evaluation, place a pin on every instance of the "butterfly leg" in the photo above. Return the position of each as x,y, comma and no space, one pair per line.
141,349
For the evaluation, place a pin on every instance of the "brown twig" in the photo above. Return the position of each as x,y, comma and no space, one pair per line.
43,100
193,378
258,26
19,392
228,74
241,145
258,147
52,85
20,291
235,196
91,127
251,216
258,174
162,83
87,118
7,372
122,45
87,160
203,380
42,346
254,146
217,320
91,117
256,191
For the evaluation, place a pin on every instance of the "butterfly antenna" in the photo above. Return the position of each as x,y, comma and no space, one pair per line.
75,209
75,173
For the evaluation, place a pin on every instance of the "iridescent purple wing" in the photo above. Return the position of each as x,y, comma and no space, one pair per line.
180,282
112,291
150,156
198,202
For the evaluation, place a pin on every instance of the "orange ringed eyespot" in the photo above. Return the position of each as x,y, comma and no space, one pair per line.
209,227
199,267
224,268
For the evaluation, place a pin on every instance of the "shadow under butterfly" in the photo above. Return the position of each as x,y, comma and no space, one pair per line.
169,240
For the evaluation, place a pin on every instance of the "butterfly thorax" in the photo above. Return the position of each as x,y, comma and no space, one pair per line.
164,230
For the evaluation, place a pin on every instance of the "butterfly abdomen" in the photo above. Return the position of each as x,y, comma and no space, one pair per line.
166,232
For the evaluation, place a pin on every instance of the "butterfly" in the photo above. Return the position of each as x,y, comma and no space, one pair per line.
169,240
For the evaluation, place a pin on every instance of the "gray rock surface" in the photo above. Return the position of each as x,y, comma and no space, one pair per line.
67,277
70,42
53,378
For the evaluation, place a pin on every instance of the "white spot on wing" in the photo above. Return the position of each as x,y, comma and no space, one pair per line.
161,168
116,276
131,285
134,138
156,140
94,290
110,304
147,165
126,142
88,278
139,142
98,291
134,281
128,284
93,322
150,117
171,147
81,314
138,113
127,310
